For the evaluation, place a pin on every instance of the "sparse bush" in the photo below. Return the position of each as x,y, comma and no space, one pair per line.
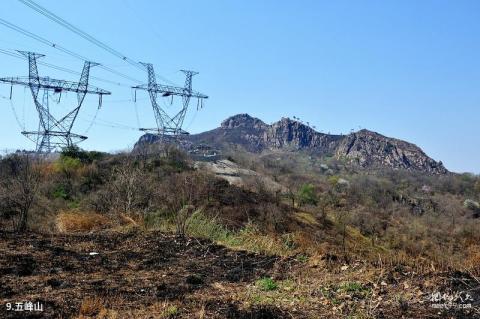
306,195
333,180
181,219
129,189
477,186
19,184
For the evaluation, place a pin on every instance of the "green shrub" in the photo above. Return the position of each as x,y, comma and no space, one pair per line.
333,180
68,165
266,284
76,152
306,195
60,192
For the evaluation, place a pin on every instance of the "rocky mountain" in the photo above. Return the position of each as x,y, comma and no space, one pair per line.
364,148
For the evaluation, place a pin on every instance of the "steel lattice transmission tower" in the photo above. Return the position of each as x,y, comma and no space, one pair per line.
53,134
169,125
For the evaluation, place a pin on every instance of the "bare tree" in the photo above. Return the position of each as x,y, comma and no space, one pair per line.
343,220
20,179
291,195
181,219
128,187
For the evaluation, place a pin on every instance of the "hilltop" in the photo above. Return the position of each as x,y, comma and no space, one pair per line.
364,149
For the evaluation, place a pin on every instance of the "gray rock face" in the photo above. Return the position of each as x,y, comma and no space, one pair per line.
146,139
243,121
369,149
363,148
295,135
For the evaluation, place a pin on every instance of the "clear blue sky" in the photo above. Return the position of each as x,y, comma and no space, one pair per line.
406,69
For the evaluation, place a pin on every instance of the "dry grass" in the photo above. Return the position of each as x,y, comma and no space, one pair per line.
98,308
472,262
91,307
67,222
306,218
95,307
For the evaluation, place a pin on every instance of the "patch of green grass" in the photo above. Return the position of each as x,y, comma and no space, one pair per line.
288,241
159,221
302,258
75,203
199,225
171,311
287,285
266,284
354,288
327,293
252,239
248,238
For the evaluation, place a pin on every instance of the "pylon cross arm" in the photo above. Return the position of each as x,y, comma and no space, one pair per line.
167,90
54,85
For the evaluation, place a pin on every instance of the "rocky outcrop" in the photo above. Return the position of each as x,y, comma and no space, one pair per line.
290,134
243,121
370,149
364,148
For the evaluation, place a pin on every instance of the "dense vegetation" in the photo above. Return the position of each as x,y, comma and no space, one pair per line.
325,206
303,236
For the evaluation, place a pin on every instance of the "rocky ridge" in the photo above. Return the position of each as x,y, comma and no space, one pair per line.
364,148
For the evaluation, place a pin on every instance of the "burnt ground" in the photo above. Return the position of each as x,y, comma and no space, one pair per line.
155,275
131,271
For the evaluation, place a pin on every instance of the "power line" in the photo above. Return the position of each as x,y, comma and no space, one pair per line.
145,22
59,68
22,126
50,15
107,123
92,122
59,47
94,119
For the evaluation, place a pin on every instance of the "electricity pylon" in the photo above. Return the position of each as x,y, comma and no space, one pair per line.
169,125
52,133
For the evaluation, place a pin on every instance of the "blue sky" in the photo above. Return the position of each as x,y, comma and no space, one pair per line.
406,69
